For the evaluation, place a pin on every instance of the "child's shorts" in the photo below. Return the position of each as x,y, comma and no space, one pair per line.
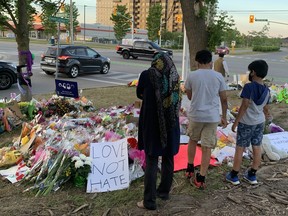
247,134
204,131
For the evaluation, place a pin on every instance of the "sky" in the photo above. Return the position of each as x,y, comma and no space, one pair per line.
274,11
240,10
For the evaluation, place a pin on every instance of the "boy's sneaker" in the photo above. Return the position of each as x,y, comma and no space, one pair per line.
250,179
234,180
199,185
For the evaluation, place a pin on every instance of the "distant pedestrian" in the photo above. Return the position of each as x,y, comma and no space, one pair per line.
250,121
220,65
205,88
159,130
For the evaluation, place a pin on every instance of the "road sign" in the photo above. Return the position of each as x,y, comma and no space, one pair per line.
59,19
261,20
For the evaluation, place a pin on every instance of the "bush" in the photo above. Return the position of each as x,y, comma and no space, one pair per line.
260,48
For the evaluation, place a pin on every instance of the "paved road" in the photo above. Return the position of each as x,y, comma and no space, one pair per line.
123,71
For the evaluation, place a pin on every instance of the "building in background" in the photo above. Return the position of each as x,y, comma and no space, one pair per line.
171,12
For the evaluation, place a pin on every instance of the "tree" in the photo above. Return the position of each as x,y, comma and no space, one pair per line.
218,28
122,22
153,21
17,15
234,35
49,9
75,16
196,15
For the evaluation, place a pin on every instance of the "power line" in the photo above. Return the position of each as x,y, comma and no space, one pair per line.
256,11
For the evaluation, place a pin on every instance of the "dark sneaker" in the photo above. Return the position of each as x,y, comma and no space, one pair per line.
250,179
234,180
199,185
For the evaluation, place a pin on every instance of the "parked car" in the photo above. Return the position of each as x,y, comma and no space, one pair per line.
74,60
8,75
222,49
141,48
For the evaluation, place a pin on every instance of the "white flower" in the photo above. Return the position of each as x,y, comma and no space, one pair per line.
83,157
75,158
89,159
88,162
78,164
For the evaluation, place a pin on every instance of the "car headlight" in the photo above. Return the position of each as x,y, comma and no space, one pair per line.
108,59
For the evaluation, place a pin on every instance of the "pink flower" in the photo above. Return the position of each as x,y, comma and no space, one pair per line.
139,155
111,136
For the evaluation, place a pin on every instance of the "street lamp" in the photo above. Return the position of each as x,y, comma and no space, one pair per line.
71,23
84,20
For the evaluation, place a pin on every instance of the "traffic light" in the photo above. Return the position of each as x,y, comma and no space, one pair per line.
114,11
178,18
62,8
251,19
135,31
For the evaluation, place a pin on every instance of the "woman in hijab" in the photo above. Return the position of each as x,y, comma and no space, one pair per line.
159,132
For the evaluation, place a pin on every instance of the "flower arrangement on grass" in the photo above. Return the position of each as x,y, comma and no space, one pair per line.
80,169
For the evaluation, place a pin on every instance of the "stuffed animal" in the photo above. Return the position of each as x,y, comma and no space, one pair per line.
271,151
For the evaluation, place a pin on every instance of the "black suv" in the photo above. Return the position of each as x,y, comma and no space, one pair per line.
8,75
74,60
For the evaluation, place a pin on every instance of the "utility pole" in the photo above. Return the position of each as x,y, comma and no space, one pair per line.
84,21
71,23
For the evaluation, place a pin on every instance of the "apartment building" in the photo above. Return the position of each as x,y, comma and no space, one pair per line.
140,9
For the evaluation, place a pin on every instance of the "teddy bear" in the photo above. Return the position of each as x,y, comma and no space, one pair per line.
273,153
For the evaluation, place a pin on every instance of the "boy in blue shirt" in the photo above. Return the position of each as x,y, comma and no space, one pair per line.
250,121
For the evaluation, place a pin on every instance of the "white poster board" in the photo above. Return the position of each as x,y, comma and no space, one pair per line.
110,170
279,140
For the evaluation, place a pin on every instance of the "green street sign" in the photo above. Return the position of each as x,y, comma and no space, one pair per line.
261,20
58,19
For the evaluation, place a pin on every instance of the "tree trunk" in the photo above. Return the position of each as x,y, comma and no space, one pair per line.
195,29
22,30
24,55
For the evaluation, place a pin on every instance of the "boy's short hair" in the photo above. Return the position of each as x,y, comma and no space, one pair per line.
203,57
260,67
221,55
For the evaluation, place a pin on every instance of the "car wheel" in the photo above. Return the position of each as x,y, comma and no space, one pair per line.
126,55
135,57
74,71
6,80
49,72
105,68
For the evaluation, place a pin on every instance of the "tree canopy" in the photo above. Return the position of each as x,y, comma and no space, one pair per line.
154,22
122,22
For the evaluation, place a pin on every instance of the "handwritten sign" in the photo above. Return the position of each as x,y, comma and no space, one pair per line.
110,170
279,140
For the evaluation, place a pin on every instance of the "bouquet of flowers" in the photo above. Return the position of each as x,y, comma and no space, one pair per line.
80,168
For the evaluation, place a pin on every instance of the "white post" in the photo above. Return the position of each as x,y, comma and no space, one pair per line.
71,23
186,56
